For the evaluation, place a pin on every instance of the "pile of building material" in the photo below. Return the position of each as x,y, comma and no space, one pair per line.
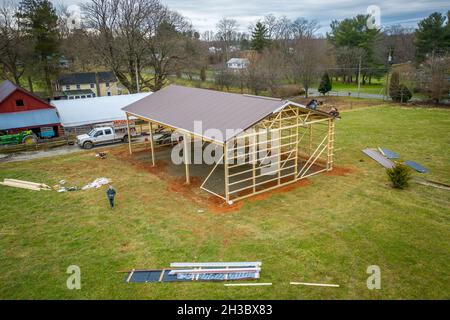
380,158
97,183
25,184
384,157
212,271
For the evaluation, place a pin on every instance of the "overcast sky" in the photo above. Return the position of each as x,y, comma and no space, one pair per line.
204,14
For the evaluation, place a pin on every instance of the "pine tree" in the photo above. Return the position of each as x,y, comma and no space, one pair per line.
259,37
325,84
397,91
432,35
40,22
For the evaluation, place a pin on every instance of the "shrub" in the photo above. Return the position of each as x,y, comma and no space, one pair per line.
287,90
325,84
399,176
398,92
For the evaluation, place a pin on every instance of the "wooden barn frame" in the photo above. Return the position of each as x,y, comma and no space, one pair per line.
290,144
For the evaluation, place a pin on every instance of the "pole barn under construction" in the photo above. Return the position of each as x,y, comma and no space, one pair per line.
258,143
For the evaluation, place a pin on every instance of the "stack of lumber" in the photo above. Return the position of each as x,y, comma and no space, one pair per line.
25,184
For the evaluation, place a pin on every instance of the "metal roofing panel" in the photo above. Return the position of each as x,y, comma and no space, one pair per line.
79,112
180,107
6,88
27,119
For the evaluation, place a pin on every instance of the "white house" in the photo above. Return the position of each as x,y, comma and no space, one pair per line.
238,63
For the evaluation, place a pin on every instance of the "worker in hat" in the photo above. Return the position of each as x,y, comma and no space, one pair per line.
111,193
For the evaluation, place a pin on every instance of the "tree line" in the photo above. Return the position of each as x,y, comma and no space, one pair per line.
144,42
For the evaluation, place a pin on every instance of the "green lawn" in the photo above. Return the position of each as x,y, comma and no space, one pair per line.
374,88
329,231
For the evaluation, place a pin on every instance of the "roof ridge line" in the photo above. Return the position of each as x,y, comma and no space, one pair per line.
261,97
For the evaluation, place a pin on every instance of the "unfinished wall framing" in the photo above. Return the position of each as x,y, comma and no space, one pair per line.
291,144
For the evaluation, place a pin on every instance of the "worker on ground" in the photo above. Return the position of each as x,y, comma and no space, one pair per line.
111,193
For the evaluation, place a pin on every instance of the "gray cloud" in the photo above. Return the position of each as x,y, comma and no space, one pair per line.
204,14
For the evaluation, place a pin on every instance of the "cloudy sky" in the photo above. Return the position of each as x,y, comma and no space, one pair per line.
204,14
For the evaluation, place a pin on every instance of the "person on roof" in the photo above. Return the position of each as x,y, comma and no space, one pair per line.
334,112
312,104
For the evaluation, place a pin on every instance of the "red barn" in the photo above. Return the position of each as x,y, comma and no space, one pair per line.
21,110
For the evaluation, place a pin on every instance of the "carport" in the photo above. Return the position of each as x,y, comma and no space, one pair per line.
257,143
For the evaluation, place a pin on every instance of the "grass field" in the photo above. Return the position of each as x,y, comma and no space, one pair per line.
374,88
329,230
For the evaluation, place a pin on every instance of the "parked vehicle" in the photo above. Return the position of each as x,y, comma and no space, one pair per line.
104,135
25,137
166,137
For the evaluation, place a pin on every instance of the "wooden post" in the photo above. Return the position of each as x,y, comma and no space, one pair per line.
296,144
279,154
225,166
330,144
253,142
129,135
186,157
310,137
151,143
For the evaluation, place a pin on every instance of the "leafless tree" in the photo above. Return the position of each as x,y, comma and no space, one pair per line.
227,34
13,49
304,29
307,61
433,77
397,41
133,36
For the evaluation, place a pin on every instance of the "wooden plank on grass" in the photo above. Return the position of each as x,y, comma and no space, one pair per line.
215,264
315,284
22,186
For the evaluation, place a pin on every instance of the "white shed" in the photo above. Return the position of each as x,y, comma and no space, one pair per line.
84,112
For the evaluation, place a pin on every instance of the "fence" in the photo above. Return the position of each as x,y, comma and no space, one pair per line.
40,145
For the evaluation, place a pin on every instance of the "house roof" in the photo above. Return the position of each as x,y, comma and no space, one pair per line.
7,88
80,112
238,60
86,77
180,107
77,92
28,119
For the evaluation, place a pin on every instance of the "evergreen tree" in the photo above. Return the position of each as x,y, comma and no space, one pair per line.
325,84
259,37
397,91
40,22
432,35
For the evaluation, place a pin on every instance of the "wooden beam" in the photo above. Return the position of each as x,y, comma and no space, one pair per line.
186,154
330,150
225,166
151,143
129,135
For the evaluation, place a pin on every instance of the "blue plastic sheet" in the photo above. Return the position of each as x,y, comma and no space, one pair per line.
416,166
389,154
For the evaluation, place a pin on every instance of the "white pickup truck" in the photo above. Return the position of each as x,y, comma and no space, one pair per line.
104,135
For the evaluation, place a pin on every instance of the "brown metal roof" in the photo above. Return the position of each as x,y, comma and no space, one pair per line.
179,107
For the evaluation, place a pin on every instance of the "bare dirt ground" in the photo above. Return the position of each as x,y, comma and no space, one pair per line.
174,176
